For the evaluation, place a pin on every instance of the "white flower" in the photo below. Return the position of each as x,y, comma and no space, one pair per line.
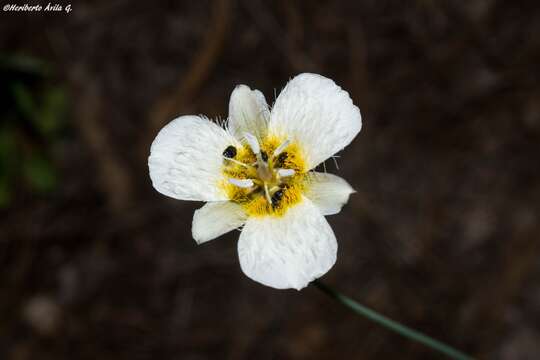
257,172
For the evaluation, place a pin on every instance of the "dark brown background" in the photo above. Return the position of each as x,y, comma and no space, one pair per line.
442,235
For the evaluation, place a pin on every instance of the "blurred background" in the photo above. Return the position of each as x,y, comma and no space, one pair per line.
442,234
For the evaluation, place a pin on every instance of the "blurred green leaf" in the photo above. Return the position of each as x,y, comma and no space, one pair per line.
8,151
24,100
5,192
39,173
8,155
48,113
24,63
33,113
49,118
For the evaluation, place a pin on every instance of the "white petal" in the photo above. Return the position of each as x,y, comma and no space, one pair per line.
243,183
186,159
215,219
318,114
289,251
248,112
328,192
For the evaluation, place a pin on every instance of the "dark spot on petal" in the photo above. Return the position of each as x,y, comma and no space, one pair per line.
264,155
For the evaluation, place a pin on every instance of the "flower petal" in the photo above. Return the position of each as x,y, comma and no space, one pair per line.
328,192
289,251
248,112
317,113
186,158
215,219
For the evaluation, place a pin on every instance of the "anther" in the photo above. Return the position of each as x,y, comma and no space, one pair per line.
229,152
281,147
276,197
242,183
285,172
253,143
281,158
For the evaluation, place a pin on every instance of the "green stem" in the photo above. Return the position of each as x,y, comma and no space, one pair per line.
392,325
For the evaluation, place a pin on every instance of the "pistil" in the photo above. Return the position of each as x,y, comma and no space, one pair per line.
266,178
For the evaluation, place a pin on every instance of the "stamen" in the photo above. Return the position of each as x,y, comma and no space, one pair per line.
286,172
236,162
267,194
242,183
281,147
271,178
253,143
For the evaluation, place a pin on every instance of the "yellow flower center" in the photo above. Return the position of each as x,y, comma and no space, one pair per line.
265,183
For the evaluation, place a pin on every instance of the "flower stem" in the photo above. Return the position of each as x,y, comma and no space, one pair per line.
392,325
